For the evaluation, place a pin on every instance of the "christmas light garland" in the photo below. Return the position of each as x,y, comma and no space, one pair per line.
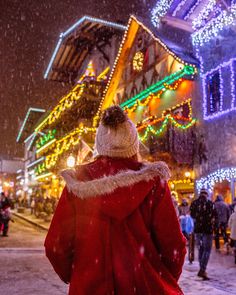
165,120
181,181
178,7
192,9
219,175
161,8
45,138
132,18
205,76
154,119
63,35
185,102
160,85
152,96
25,120
64,144
43,176
214,26
65,103
35,162
203,15
49,143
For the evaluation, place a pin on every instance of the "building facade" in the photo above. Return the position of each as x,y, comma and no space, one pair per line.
210,27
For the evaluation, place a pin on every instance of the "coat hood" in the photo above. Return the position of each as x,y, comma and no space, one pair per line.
118,194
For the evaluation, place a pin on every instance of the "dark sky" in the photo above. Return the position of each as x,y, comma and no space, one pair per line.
29,30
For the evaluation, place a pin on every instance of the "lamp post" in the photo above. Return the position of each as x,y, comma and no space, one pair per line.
70,161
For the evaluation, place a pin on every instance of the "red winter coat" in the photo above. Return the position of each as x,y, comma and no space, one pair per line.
115,230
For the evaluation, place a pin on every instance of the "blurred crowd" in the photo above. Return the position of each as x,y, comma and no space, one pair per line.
38,205
203,222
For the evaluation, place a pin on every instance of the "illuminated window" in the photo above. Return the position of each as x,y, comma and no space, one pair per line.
213,93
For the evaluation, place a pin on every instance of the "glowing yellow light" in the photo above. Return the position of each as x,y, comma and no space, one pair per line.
70,161
187,174
138,61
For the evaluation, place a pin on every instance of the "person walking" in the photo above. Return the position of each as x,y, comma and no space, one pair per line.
5,214
232,226
232,206
223,213
183,208
32,206
183,213
116,214
203,213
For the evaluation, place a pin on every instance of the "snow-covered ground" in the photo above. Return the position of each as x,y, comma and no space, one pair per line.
25,270
221,270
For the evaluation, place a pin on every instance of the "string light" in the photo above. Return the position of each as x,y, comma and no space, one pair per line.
192,9
154,119
89,72
117,60
45,138
31,142
25,120
103,75
45,146
203,15
152,96
96,117
165,120
35,162
138,61
179,6
214,26
43,176
80,21
64,144
186,102
219,175
181,181
205,77
187,70
161,8
65,103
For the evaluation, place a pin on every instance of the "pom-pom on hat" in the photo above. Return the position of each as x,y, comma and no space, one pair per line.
116,135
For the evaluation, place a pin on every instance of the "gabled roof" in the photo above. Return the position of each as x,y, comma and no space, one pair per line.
75,44
180,48
128,39
31,118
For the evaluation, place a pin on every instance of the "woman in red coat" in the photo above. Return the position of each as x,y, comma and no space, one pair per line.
115,229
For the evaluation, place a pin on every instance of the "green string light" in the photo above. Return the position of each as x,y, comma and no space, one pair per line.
187,70
157,132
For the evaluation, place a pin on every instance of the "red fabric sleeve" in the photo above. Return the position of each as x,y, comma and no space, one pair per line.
59,242
167,233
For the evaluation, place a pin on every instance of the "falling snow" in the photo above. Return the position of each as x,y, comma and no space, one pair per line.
29,31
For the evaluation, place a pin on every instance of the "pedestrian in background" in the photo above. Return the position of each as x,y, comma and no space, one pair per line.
203,213
183,208
5,214
232,226
32,206
223,213
115,229
232,206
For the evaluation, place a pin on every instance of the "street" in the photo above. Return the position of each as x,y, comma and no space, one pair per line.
25,269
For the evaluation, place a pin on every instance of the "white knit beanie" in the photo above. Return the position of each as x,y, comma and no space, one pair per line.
116,135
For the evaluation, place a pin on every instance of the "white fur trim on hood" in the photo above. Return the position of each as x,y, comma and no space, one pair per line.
108,184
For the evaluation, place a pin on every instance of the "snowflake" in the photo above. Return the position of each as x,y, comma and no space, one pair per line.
142,250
